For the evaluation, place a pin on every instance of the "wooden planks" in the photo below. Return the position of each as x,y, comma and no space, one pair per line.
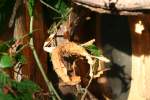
140,60
121,7
119,4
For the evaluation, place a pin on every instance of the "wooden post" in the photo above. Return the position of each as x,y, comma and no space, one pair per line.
140,59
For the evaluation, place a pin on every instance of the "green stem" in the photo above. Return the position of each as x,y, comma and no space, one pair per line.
49,83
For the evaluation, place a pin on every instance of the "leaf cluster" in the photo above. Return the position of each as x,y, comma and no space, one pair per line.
93,50
7,60
62,6
23,90
57,10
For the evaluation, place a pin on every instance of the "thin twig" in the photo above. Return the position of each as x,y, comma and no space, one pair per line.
91,78
88,43
49,6
101,58
86,89
22,48
49,83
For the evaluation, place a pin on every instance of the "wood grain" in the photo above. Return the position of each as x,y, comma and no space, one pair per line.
140,60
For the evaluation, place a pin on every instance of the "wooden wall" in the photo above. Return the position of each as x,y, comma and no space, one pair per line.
140,59
39,35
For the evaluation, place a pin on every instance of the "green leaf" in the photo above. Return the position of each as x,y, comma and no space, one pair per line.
93,50
4,79
6,61
62,7
31,7
6,96
26,86
25,89
20,58
25,96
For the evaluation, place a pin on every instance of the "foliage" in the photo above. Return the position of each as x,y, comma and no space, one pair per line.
11,89
93,50
20,58
23,90
4,79
6,61
5,97
31,7
10,55
59,15
62,7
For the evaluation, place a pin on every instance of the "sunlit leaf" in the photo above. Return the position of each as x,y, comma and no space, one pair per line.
31,7
6,61
93,50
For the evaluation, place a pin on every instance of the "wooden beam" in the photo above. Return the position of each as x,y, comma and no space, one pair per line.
121,7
